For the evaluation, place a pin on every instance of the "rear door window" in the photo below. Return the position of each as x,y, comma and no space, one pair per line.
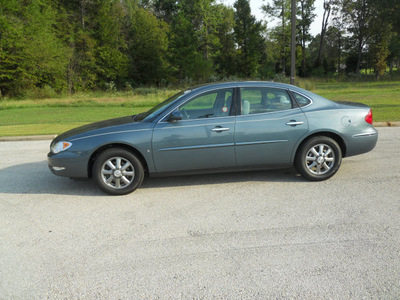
301,100
264,100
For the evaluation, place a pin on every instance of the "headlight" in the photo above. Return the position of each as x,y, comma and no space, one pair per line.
60,146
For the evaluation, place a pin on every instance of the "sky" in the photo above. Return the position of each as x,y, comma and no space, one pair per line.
257,12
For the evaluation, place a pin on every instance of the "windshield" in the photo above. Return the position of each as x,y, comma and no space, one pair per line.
158,109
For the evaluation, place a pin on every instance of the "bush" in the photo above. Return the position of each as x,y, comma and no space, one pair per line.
146,91
318,72
40,93
281,78
110,86
305,84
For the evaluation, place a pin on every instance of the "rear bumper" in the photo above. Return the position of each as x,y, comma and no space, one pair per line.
360,143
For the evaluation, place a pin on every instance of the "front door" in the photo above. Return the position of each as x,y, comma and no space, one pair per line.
203,139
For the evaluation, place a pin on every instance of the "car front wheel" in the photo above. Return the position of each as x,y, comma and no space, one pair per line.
118,172
319,158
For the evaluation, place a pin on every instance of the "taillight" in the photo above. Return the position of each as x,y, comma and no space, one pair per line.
368,117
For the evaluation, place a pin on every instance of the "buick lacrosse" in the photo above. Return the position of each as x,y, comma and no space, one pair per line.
214,128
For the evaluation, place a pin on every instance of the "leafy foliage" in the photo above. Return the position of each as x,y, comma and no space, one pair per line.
248,37
50,47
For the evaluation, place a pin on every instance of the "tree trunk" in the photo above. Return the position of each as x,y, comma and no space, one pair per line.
359,50
284,39
325,18
303,45
83,13
339,53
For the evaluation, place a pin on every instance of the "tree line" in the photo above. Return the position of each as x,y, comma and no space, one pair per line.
79,45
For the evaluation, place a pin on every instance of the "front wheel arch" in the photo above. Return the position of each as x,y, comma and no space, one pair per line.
115,145
118,171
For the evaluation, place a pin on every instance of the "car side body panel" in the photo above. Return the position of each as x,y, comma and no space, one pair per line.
252,141
268,138
194,144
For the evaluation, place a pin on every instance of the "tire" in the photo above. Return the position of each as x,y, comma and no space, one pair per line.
117,171
319,158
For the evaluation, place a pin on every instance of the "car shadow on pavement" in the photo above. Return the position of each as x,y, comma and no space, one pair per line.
36,178
281,175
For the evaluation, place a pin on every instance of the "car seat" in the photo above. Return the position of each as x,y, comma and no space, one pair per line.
245,107
219,106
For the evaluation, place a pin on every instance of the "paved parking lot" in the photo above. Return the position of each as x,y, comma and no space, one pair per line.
253,235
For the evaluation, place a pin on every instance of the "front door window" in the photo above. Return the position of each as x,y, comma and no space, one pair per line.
209,105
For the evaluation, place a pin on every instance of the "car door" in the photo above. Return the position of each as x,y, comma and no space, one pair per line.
203,139
268,127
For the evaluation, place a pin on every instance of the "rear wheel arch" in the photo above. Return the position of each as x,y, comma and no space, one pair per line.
319,158
115,145
337,138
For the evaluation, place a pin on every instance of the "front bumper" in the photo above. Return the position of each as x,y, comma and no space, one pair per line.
68,164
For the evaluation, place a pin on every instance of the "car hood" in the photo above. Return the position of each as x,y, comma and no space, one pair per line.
97,128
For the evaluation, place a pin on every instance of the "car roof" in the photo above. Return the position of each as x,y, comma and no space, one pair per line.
211,86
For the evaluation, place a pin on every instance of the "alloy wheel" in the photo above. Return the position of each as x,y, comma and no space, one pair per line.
117,172
320,159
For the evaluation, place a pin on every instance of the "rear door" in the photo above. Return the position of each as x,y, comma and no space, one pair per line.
268,127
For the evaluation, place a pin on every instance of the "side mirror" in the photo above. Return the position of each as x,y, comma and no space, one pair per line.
176,115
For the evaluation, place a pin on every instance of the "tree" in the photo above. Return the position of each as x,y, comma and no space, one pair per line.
305,12
147,45
165,10
394,51
32,56
359,15
11,47
249,39
183,49
93,30
207,19
330,7
381,55
110,52
225,57
280,9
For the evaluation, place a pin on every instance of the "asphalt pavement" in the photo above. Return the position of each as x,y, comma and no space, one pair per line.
252,235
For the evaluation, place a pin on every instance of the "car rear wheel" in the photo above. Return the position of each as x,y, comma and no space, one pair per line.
319,158
118,172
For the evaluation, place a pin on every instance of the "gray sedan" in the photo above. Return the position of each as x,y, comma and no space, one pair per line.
214,128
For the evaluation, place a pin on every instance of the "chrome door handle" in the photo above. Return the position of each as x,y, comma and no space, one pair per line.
219,129
294,123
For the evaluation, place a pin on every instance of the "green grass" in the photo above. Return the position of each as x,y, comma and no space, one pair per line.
54,120
382,97
54,116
